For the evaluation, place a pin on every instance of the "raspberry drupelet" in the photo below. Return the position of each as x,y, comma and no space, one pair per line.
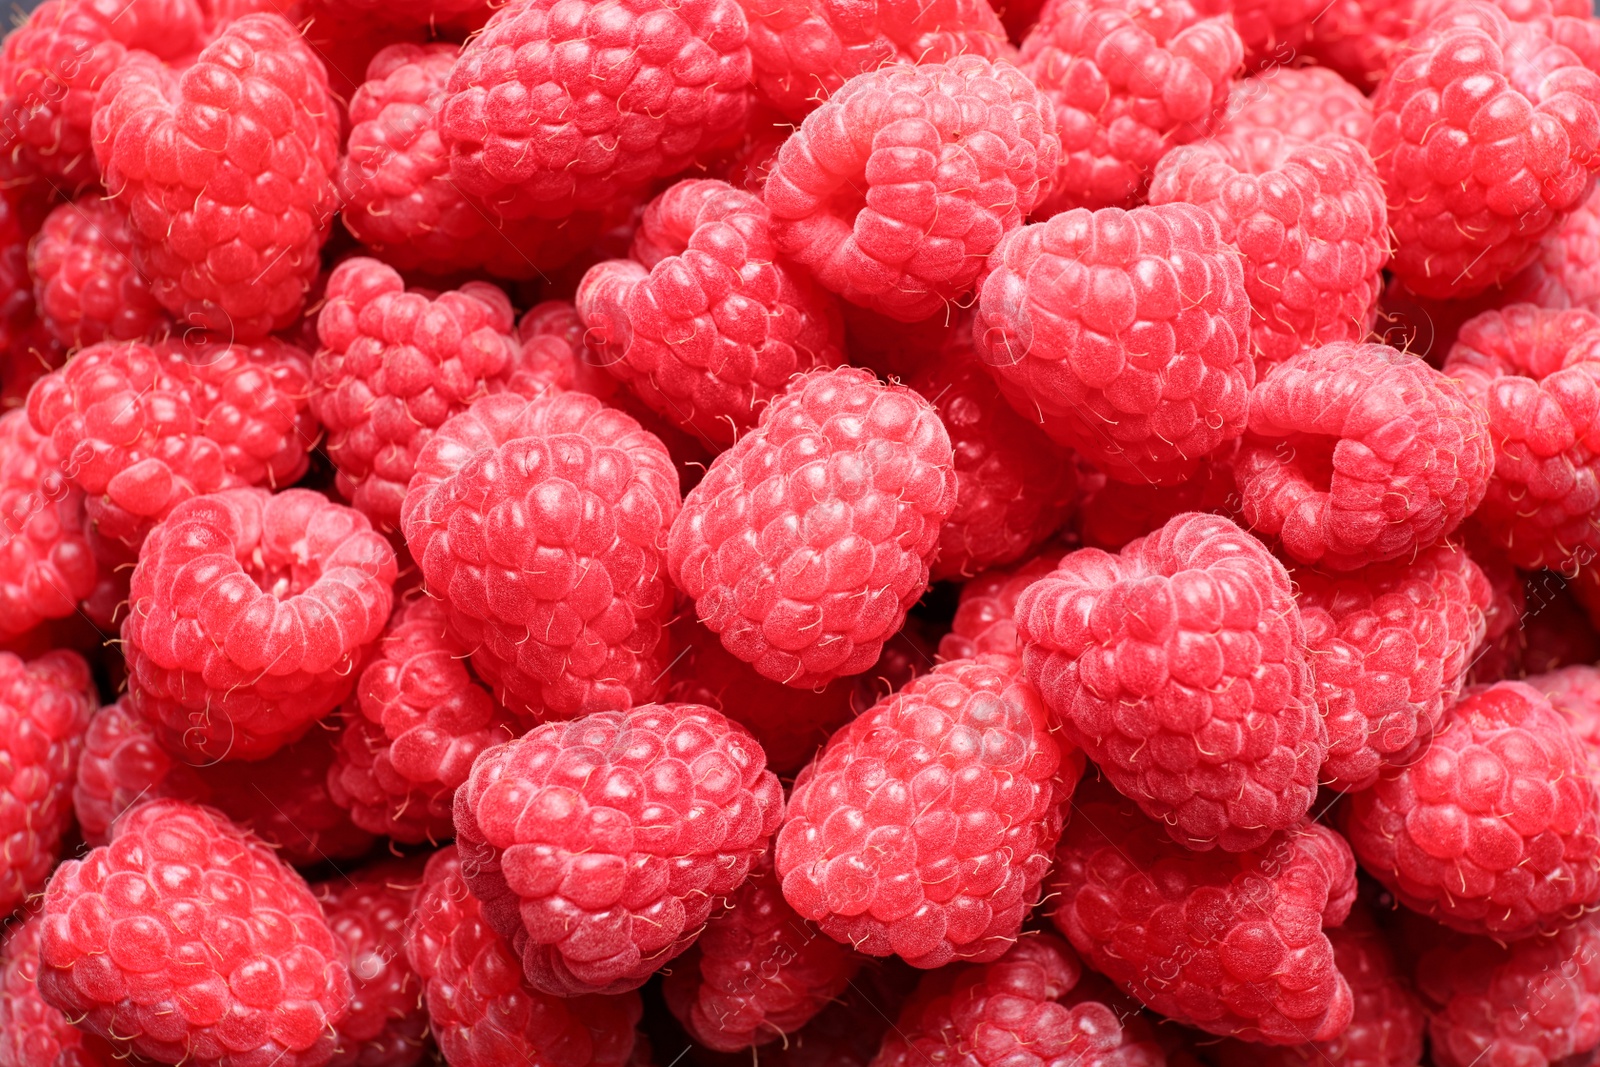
32,1032
985,620
46,563
1304,102
84,280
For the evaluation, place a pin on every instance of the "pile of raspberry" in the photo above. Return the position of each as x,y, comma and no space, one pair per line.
699,533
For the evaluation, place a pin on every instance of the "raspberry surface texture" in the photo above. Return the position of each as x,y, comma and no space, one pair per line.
1574,691
84,280
985,619
32,1032
1304,102
46,563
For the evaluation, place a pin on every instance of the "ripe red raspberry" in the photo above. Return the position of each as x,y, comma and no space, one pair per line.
46,564
1180,668
601,846
894,191
260,981
480,1010
229,238
84,278
571,501
1358,454
412,728
1495,828
32,1032
1567,270
758,973
1230,942
1537,374
1128,80
367,910
1359,38
249,615
1475,82
626,93
1389,646
1304,102
706,323
1115,513
141,428
1574,691
1309,220
899,842
810,538
985,622
1069,319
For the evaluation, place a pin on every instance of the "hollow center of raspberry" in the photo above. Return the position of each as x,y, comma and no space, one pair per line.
283,578
1311,455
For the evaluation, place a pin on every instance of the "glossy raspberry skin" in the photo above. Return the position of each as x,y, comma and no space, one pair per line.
1485,134
1309,220
1495,828
33,1033
393,366
1179,667
601,846
367,910
1537,374
985,622
1127,80
412,728
84,278
1230,942
1358,454
249,613
621,93
46,563
481,1011
542,524
894,191
809,539
1389,646
758,973
1125,334
705,323
1304,102
909,835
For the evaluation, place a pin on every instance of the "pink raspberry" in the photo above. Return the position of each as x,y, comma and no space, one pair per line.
141,428
260,981
758,973
32,1032
1567,270
1128,80
1125,334
894,191
810,538
626,93
1309,221
84,278
1494,829
1304,102
706,323
1389,646
260,139
1359,38
46,563
249,615
1537,374
480,1010
1179,667
985,621
1574,691
1475,84
1115,513
572,502
412,728
600,847
1230,942
924,828
1358,454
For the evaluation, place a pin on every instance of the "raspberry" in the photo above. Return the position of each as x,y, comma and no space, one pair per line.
758,972
229,238
480,1010
626,93
141,428
1574,691
894,191
1554,629
572,502
1309,222
260,981
84,278
414,725
1230,942
1567,270
1179,667
367,910
1117,512
46,564
1474,84
33,1033
1304,102
1537,375
705,323
250,613
1127,80
1358,454
1124,334
1495,828
810,538
924,828
393,366
1389,646
1359,38
1014,486
601,846
984,623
